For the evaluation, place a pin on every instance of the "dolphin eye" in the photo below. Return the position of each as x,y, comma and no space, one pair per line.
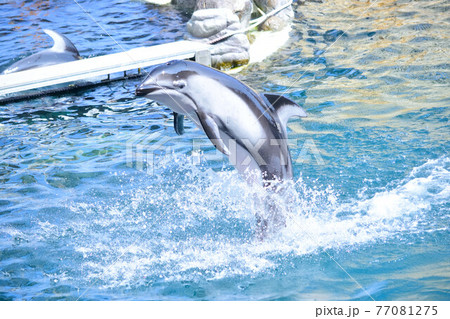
180,84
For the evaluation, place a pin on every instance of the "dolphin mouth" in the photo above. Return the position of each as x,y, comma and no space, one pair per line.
148,89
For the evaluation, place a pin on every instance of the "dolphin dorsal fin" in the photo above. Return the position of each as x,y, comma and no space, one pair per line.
285,107
61,43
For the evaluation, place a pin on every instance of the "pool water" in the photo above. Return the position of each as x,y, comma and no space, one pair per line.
101,200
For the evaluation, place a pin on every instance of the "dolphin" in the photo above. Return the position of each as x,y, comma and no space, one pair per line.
248,127
63,50
229,112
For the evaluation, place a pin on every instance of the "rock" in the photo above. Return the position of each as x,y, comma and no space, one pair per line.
242,8
209,24
186,6
206,23
231,53
273,24
213,19
281,19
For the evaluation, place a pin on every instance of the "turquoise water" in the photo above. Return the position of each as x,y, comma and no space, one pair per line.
85,215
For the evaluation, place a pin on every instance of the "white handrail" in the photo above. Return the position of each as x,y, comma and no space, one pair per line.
98,66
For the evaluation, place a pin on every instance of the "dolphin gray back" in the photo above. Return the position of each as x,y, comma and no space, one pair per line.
63,50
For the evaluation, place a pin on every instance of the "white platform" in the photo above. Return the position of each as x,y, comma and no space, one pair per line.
99,66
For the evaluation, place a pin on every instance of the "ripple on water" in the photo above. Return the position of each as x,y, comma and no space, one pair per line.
79,219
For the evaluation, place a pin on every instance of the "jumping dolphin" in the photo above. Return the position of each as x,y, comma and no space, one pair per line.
227,111
248,127
62,51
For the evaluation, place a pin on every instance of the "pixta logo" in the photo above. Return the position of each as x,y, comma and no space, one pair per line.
148,151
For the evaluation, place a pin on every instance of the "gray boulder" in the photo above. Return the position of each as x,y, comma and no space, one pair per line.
206,23
231,53
278,21
242,8
213,20
211,24
186,6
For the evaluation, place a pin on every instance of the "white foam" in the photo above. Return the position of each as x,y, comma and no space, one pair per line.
267,43
202,226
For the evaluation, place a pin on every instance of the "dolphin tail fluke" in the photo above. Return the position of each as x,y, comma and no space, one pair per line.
61,43
285,108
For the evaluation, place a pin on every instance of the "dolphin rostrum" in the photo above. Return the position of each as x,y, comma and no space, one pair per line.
248,127
63,50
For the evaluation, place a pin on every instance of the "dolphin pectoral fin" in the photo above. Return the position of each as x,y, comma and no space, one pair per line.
285,107
178,123
212,131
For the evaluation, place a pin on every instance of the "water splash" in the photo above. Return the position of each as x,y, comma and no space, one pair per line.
200,225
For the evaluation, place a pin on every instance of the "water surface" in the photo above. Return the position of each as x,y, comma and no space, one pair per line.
87,214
